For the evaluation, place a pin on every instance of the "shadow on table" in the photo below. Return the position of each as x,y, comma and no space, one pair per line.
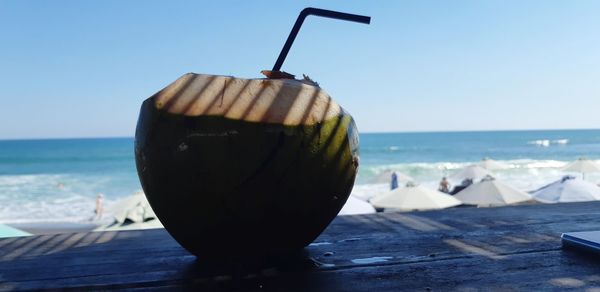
137,259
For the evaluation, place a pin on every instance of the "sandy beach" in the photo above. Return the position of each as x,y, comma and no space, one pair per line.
54,227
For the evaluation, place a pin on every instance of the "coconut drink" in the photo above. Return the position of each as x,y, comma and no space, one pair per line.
239,169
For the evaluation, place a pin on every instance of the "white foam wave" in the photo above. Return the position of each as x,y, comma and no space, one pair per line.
366,191
540,143
52,198
548,142
76,209
442,168
543,164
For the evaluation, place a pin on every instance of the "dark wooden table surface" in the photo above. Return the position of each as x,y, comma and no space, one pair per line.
508,248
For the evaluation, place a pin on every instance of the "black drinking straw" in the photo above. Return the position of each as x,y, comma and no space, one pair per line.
317,12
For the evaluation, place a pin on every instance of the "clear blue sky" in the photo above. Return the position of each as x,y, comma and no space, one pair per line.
82,68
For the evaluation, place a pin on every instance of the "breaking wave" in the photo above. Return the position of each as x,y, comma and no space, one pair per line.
55,197
547,142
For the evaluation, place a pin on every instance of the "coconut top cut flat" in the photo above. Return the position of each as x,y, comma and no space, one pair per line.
283,101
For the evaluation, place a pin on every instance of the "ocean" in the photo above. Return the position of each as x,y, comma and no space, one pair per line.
58,180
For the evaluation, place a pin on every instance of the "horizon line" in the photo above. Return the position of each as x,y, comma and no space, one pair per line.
366,132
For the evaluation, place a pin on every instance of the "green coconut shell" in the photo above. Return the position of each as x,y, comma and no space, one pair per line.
243,169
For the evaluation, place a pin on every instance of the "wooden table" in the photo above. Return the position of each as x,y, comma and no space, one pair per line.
508,248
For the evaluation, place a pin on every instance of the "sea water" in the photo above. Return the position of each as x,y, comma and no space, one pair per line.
59,179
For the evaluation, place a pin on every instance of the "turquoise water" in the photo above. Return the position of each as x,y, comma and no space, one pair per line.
472,146
58,180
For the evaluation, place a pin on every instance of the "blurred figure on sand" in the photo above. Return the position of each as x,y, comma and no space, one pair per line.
99,206
394,182
444,185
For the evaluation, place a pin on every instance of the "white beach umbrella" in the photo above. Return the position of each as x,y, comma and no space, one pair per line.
582,165
134,208
568,189
414,198
133,212
491,192
491,164
356,206
473,172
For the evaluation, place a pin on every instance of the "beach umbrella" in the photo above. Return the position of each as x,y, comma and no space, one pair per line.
355,206
491,164
491,192
133,212
473,172
414,197
582,165
568,189
134,208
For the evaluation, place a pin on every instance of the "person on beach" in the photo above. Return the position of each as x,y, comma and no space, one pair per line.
394,182
99,206
444,185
